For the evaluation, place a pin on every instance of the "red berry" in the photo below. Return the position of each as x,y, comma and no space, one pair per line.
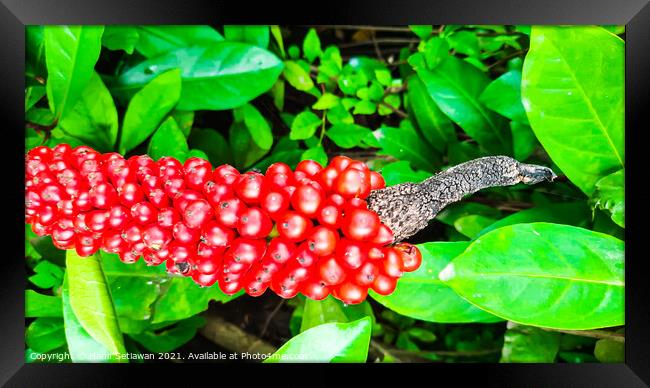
274,201
216,192
384,284
144,213
350,293
376,181
197,213
353,183
340,162
360,224
249,187
330,271
315,289
330,215
278,168
156,237
294,226
351,254
197,172
322,240
309,167
254,223
307,198
226,174
184,234
366,274
130,194
86,245
393,264
280,250
410,255
305,256
216,235
168,217
103,196
227,212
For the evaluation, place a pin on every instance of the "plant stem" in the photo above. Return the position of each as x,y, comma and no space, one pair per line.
600,334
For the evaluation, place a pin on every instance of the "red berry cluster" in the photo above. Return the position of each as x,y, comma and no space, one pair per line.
307,230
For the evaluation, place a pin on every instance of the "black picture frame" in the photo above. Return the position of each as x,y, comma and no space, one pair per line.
635,14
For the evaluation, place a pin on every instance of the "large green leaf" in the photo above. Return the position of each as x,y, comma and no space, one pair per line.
330,342
35,52
529,344
400,172
435,126
70,54
405,144
572,89
81,345
119,37
39,305
255,35
168,140
223,75
156,40
94,117
90,301
148,107
45,334
183,298
422,295
503,95
569,213
455,86
610,195
328,310
543,274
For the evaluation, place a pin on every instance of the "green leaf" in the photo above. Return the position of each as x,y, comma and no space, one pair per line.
257,126
33,94
609,351
277,35
436,50
330,342
472,225
168,140
365,107
311,45
70,54
35,52
94,117
45,334
297,76
304,125
464,42
147,109
47,275
134,288
117,37
157,40
569,213
90,301
572,88
170,338
405,144
523,140
39,305
40,116
454,212
277,92
315,153
213,143
331,310
184,119
455,86
529,344
556,276
81,345
610,196
256,35
244,150
435,126
422,295
503,95
223,75
326,101
422,32
184,298
347,135
400,172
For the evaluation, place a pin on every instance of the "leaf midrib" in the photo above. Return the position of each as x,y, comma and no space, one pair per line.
548,276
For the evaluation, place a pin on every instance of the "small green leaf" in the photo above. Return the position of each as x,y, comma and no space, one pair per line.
39,305
168,140
297,76
184,119
422,295
315,153
311,45
529,344
33,94
365,107
464,42
147,109
257,126
610,196
331,310
47,275
330,342
610,351
255,35
384,77
326,101
70,53
422,32
347,135
277,35
304,125
213,143
557,276
45,334
157,40
436,50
